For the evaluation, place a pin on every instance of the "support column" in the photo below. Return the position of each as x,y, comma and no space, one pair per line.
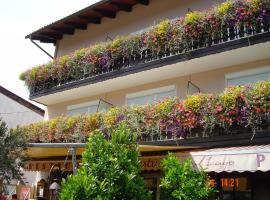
74,160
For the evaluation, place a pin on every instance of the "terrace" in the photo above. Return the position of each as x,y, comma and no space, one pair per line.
226,32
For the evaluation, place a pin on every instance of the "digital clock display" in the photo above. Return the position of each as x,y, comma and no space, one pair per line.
230,182
227,182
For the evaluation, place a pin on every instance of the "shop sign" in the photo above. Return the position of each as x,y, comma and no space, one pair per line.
150,163
47,165
233,162
147,164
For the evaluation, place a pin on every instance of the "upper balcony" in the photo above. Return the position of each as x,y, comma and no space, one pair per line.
224,36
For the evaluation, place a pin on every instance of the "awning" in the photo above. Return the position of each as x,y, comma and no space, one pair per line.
229,159
233,159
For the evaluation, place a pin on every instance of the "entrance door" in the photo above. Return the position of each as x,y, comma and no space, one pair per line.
151,185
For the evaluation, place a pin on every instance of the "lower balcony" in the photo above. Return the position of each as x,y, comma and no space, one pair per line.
238,116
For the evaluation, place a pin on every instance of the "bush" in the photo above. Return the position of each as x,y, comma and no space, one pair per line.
181,181
12,155
111,170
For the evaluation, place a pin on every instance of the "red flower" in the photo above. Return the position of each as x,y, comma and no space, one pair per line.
257,110
219,108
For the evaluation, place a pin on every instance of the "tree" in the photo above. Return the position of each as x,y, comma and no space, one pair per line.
182,182
12,155
111,170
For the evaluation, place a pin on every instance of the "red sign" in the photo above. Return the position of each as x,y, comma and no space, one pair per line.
25,193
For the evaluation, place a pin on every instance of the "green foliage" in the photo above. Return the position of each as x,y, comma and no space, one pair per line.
182,182
12,154
111,170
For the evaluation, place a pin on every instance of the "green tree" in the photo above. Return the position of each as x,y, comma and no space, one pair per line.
111,170
12,155
182,182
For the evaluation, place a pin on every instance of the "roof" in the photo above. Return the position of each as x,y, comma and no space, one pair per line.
21,101
79,20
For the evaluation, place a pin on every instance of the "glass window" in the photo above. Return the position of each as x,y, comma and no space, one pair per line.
150,96
248,76
84,108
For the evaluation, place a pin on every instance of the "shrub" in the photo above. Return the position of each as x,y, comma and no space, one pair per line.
111,170
181,181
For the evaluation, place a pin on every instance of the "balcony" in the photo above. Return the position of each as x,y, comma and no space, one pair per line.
238,116
170,49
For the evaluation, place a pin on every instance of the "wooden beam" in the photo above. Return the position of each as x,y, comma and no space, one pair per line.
64,30
122,6
93,20
57,36
41,37
144,2
106,13
82,26
48,41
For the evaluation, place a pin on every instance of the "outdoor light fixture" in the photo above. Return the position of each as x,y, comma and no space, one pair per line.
54,188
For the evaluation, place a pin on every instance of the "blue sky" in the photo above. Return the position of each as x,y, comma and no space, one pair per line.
19,18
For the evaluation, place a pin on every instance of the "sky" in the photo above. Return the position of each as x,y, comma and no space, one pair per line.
18,19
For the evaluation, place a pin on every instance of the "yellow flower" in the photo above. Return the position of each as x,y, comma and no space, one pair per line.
193,17
224,8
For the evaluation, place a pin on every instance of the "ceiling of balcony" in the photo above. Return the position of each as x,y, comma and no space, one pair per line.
92,14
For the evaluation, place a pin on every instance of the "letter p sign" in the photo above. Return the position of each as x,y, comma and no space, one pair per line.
260,158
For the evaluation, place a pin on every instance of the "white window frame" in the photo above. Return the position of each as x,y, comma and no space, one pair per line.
150,92
245,73
82,105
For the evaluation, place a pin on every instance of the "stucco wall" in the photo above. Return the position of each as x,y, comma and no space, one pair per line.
209,82
125,23
13,113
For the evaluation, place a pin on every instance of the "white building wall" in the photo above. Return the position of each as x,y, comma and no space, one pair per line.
14,113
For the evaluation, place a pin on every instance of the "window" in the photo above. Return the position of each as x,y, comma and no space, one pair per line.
248,76
83,108
150,96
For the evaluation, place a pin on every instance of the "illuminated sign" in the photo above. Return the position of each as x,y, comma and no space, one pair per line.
230,182
226,182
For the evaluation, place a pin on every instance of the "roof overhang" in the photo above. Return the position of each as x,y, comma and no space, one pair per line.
92,14
49,150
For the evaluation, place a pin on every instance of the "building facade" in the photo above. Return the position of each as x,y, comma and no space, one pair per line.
166,59
16,111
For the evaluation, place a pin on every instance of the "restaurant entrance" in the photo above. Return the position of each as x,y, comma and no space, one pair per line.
152,182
